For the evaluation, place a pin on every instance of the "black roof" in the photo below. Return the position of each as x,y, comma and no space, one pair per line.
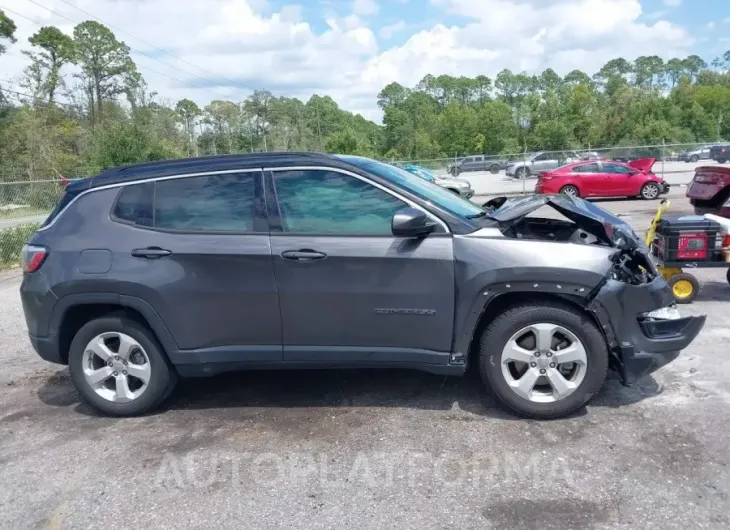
162,168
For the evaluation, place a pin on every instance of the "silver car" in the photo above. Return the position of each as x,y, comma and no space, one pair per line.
540,161
459,186
703,153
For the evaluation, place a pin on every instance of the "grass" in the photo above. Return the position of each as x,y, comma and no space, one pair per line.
12,241
25,211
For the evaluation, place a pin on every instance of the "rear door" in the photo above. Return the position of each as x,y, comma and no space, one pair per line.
349,290
589,178
197,250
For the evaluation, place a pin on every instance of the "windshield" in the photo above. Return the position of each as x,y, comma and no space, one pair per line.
428,191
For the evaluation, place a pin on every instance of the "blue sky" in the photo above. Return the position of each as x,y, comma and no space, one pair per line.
350,49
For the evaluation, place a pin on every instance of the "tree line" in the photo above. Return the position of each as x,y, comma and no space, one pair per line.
101,113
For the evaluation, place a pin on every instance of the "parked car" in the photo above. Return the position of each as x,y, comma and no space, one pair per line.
199,266
720,153
540,162
603,178
703,153
477,163
709,191
456,185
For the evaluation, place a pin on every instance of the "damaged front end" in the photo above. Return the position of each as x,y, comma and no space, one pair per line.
633,303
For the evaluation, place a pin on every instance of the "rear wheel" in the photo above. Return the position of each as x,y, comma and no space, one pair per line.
543,360
494,168
650,191
685,287
119,368
570,190
522,173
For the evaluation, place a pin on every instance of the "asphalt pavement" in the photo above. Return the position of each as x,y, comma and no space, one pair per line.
370,449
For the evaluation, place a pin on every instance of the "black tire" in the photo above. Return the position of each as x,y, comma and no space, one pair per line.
455,172
499,331
163,376
570,190
694,158
494,168
522,172
646,194
722,160
728,276
682,277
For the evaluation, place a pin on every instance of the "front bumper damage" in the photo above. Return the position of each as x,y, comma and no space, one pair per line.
640,344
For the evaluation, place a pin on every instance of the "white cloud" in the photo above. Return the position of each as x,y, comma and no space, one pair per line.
240,45
386,32
672,2
710,25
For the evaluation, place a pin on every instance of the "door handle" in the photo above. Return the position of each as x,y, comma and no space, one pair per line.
150,252
304,254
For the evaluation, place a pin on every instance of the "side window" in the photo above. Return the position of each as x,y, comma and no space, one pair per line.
469,159
134,204
328,202
616,169
540,158
585,168
218,203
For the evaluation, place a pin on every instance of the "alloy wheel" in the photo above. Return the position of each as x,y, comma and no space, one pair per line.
650,191
544,363
116,367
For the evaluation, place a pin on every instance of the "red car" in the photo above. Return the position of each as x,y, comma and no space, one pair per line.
604,178
709,191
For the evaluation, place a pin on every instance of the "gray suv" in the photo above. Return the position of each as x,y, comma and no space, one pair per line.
537,162
194,267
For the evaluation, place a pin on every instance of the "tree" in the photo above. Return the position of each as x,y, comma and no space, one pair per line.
7,30
188,112
56,50
104,62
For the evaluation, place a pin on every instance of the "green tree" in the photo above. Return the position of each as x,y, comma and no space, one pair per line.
56,49
188,112
104,61
7,30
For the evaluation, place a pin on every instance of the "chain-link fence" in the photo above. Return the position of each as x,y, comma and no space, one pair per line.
25,202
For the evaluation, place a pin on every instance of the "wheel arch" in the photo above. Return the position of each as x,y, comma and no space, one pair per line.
72,311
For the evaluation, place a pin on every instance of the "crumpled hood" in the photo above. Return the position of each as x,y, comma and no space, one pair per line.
591,218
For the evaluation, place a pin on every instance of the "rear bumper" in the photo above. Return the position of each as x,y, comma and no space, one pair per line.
47,348
642,345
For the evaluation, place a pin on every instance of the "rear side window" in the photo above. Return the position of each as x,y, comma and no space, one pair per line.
212,203
65,201
585,168
134,204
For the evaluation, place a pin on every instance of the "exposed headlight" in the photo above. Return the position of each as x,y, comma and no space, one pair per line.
664,313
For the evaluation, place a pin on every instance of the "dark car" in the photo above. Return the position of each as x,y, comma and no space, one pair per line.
720,153
709,191
477,163
199,266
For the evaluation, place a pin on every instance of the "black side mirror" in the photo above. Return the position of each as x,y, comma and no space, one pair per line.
411,222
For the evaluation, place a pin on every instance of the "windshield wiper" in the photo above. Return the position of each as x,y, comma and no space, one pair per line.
476,215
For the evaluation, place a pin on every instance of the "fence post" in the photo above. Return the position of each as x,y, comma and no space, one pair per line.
664,155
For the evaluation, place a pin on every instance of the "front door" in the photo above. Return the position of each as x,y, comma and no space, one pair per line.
619,181
349,290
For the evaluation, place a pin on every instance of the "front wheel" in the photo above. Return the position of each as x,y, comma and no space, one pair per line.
694,158
543,359
119,368
649,191
522,173
722,160
494,168
570,190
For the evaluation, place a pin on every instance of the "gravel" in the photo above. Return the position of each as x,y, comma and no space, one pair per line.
369,449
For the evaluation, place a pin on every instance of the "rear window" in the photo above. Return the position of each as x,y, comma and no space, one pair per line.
65,201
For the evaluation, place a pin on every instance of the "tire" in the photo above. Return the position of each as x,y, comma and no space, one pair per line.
502,329
722,160
162,377
455,172
685,287
728,276
494,169
650,191
522,172
570,190
694,158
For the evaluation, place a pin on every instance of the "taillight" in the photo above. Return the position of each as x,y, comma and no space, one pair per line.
546,176
33,257
726,241
706,179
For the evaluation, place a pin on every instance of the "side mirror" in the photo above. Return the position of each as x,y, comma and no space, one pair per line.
410,222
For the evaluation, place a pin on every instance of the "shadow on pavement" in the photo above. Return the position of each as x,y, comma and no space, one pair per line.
340,389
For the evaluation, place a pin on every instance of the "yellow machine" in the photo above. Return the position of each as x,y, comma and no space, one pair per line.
684,285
